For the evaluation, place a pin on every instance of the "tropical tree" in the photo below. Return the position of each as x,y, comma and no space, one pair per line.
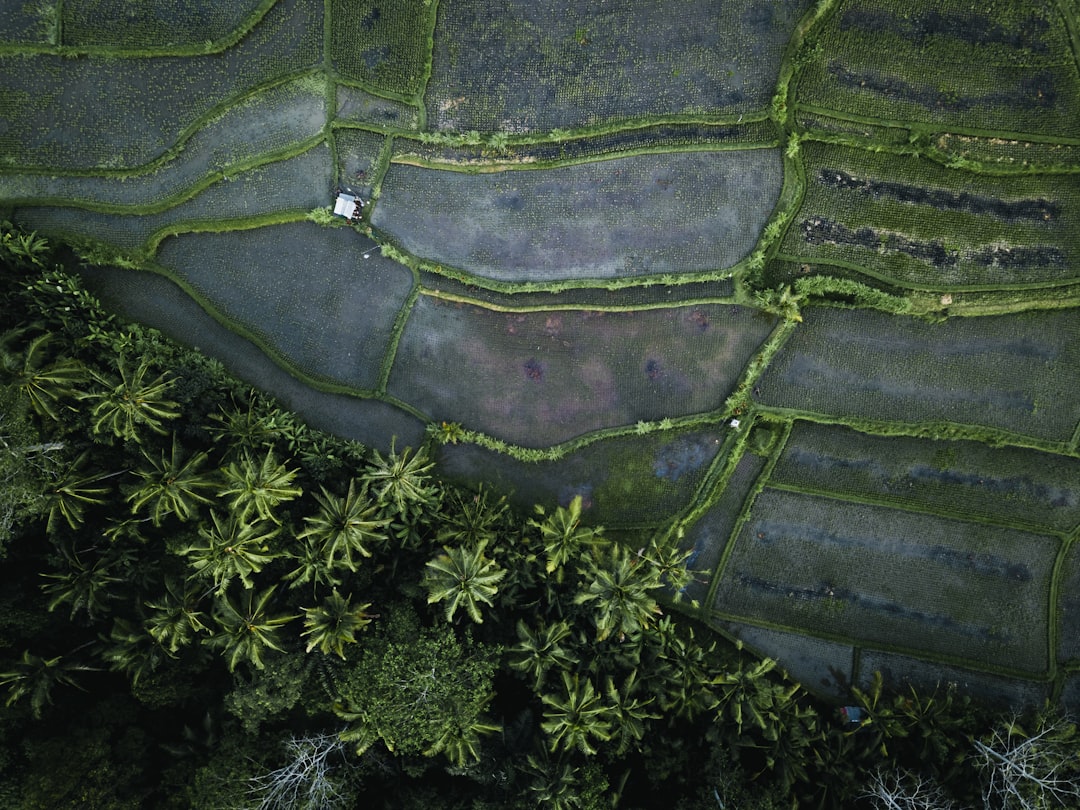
129,649
905,790
558,784
74,492
23,248
345,526
231,548
751,700
246,629
172,485
682,670
35,677
542,650
629,712
175,619
621,592
254,424
472,517
463,578
259,487
335,623
125,404
44,385
563,536
311,565
307,781
578,718
87,585
403,483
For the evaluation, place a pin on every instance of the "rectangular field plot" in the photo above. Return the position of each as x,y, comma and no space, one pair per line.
623,481
821,666
541,378
153,23
156,301
1014,694
544,64
1009,69
302,291
1069,607
96,112
357,106
1009,484
916,222
268,121
297,184
357,155
382,43
888,577
1015,372
707,538
633,216
23,23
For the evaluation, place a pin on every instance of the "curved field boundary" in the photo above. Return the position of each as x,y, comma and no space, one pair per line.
218,45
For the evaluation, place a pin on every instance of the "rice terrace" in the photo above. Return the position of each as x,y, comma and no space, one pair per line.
792,285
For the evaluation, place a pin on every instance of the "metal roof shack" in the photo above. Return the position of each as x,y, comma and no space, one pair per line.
346,205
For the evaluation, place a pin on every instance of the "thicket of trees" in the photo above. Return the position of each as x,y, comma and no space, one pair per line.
206,604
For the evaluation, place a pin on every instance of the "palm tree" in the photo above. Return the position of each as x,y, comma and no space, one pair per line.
172,486
463,578
563,535
126,404
541,650
87,586
459,741
35,677
232,548
683,671
751,700
25,249
44,385
403,483
175,619
129,649
311,566
621,590
246,629
259,488
472,518
73,493
578,719
335,624
628,712
254,425
344,526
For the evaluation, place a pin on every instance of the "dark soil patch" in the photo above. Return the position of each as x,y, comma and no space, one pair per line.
1019,258
1031,210
1037,91
973,29
821,231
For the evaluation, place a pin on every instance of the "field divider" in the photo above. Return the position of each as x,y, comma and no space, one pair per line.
220,226
569,307
908,285
448,433
401,320
744,515
793,59
177,147
930,126
901,506
185,194
714,482
495,166
429,61
1054,614
554,286
219,45
1074,33
1030,676
1074,442
995,437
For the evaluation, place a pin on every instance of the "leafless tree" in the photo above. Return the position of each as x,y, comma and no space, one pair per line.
1031,771
903,790
306,781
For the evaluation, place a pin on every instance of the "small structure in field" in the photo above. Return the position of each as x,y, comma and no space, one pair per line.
347,205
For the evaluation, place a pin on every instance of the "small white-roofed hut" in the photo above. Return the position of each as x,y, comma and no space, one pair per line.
346,205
